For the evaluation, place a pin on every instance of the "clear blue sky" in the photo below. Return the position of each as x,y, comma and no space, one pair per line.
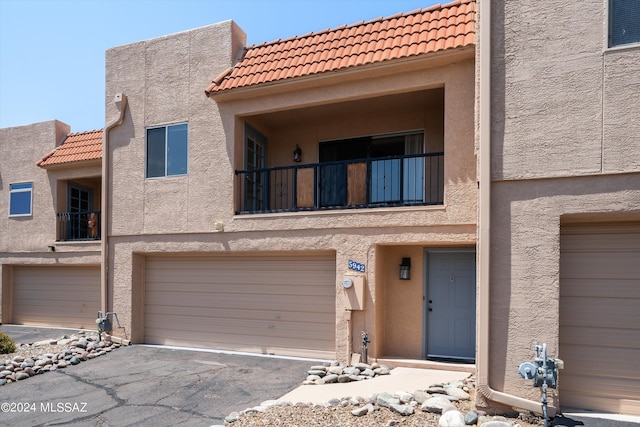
52,51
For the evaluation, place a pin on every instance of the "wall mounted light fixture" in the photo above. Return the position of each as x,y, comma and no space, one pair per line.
297,154
405,269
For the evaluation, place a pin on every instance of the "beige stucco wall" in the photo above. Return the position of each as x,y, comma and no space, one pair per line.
20,148
25,240
164,80
565,144
179,214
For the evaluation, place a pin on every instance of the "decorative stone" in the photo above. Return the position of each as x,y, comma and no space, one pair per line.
402,409
344,378
62,364
457,392
330,379
362,410
74,360
232,417
337,370
421,396
404,396
334,402
18,359
319,373
452,419
471,418
496,423
350,370
21,376
313,378
387,399
368,373
435,404
383,370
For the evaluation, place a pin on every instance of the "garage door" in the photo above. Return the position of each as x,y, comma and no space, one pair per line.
267,304
66,297
600,317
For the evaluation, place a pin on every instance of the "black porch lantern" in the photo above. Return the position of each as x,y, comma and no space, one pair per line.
297,154
405,268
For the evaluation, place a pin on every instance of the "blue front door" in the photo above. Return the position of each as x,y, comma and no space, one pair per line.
450,305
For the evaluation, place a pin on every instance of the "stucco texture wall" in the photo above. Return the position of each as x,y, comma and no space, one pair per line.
164,80
564,142
20,148
562,104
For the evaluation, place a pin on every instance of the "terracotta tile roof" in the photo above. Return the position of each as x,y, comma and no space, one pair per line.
423,31
77,147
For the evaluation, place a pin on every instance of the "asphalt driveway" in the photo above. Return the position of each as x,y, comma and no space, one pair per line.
141,385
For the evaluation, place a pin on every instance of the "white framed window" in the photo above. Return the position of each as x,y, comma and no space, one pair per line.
167,150
624,22
21,199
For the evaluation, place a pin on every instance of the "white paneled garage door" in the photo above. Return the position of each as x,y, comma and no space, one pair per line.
600,317
56,296
266,304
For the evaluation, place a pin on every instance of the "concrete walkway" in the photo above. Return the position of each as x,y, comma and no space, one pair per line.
400,379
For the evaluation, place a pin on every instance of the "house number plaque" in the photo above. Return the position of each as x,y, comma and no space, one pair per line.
356,266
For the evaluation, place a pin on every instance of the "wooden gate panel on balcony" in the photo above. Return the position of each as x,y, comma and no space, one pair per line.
305,189
357,184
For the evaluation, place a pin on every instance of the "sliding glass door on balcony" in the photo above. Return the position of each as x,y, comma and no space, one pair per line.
391,179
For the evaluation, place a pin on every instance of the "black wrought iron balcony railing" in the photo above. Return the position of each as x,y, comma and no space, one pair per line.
410,180
76,226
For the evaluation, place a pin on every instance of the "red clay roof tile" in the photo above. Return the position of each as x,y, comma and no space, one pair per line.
77,147
420,32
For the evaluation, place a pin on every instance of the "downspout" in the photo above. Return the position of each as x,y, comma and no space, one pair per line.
121,103
484,222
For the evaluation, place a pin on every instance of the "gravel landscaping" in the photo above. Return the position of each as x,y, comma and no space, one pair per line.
36,358
442,405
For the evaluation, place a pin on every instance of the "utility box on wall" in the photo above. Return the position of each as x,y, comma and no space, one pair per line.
353,291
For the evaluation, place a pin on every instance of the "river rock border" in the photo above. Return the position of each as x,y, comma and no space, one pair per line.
437,398
338,373
76,348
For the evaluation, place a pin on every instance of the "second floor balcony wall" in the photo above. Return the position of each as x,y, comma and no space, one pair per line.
410,180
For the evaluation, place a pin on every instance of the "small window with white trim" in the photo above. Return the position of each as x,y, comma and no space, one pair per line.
167,151
624,22
20,199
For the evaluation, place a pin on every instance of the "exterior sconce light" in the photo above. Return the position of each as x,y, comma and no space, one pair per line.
297,154
51,248
405,268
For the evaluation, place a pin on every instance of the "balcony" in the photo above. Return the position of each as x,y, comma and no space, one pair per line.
409,180
78,226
